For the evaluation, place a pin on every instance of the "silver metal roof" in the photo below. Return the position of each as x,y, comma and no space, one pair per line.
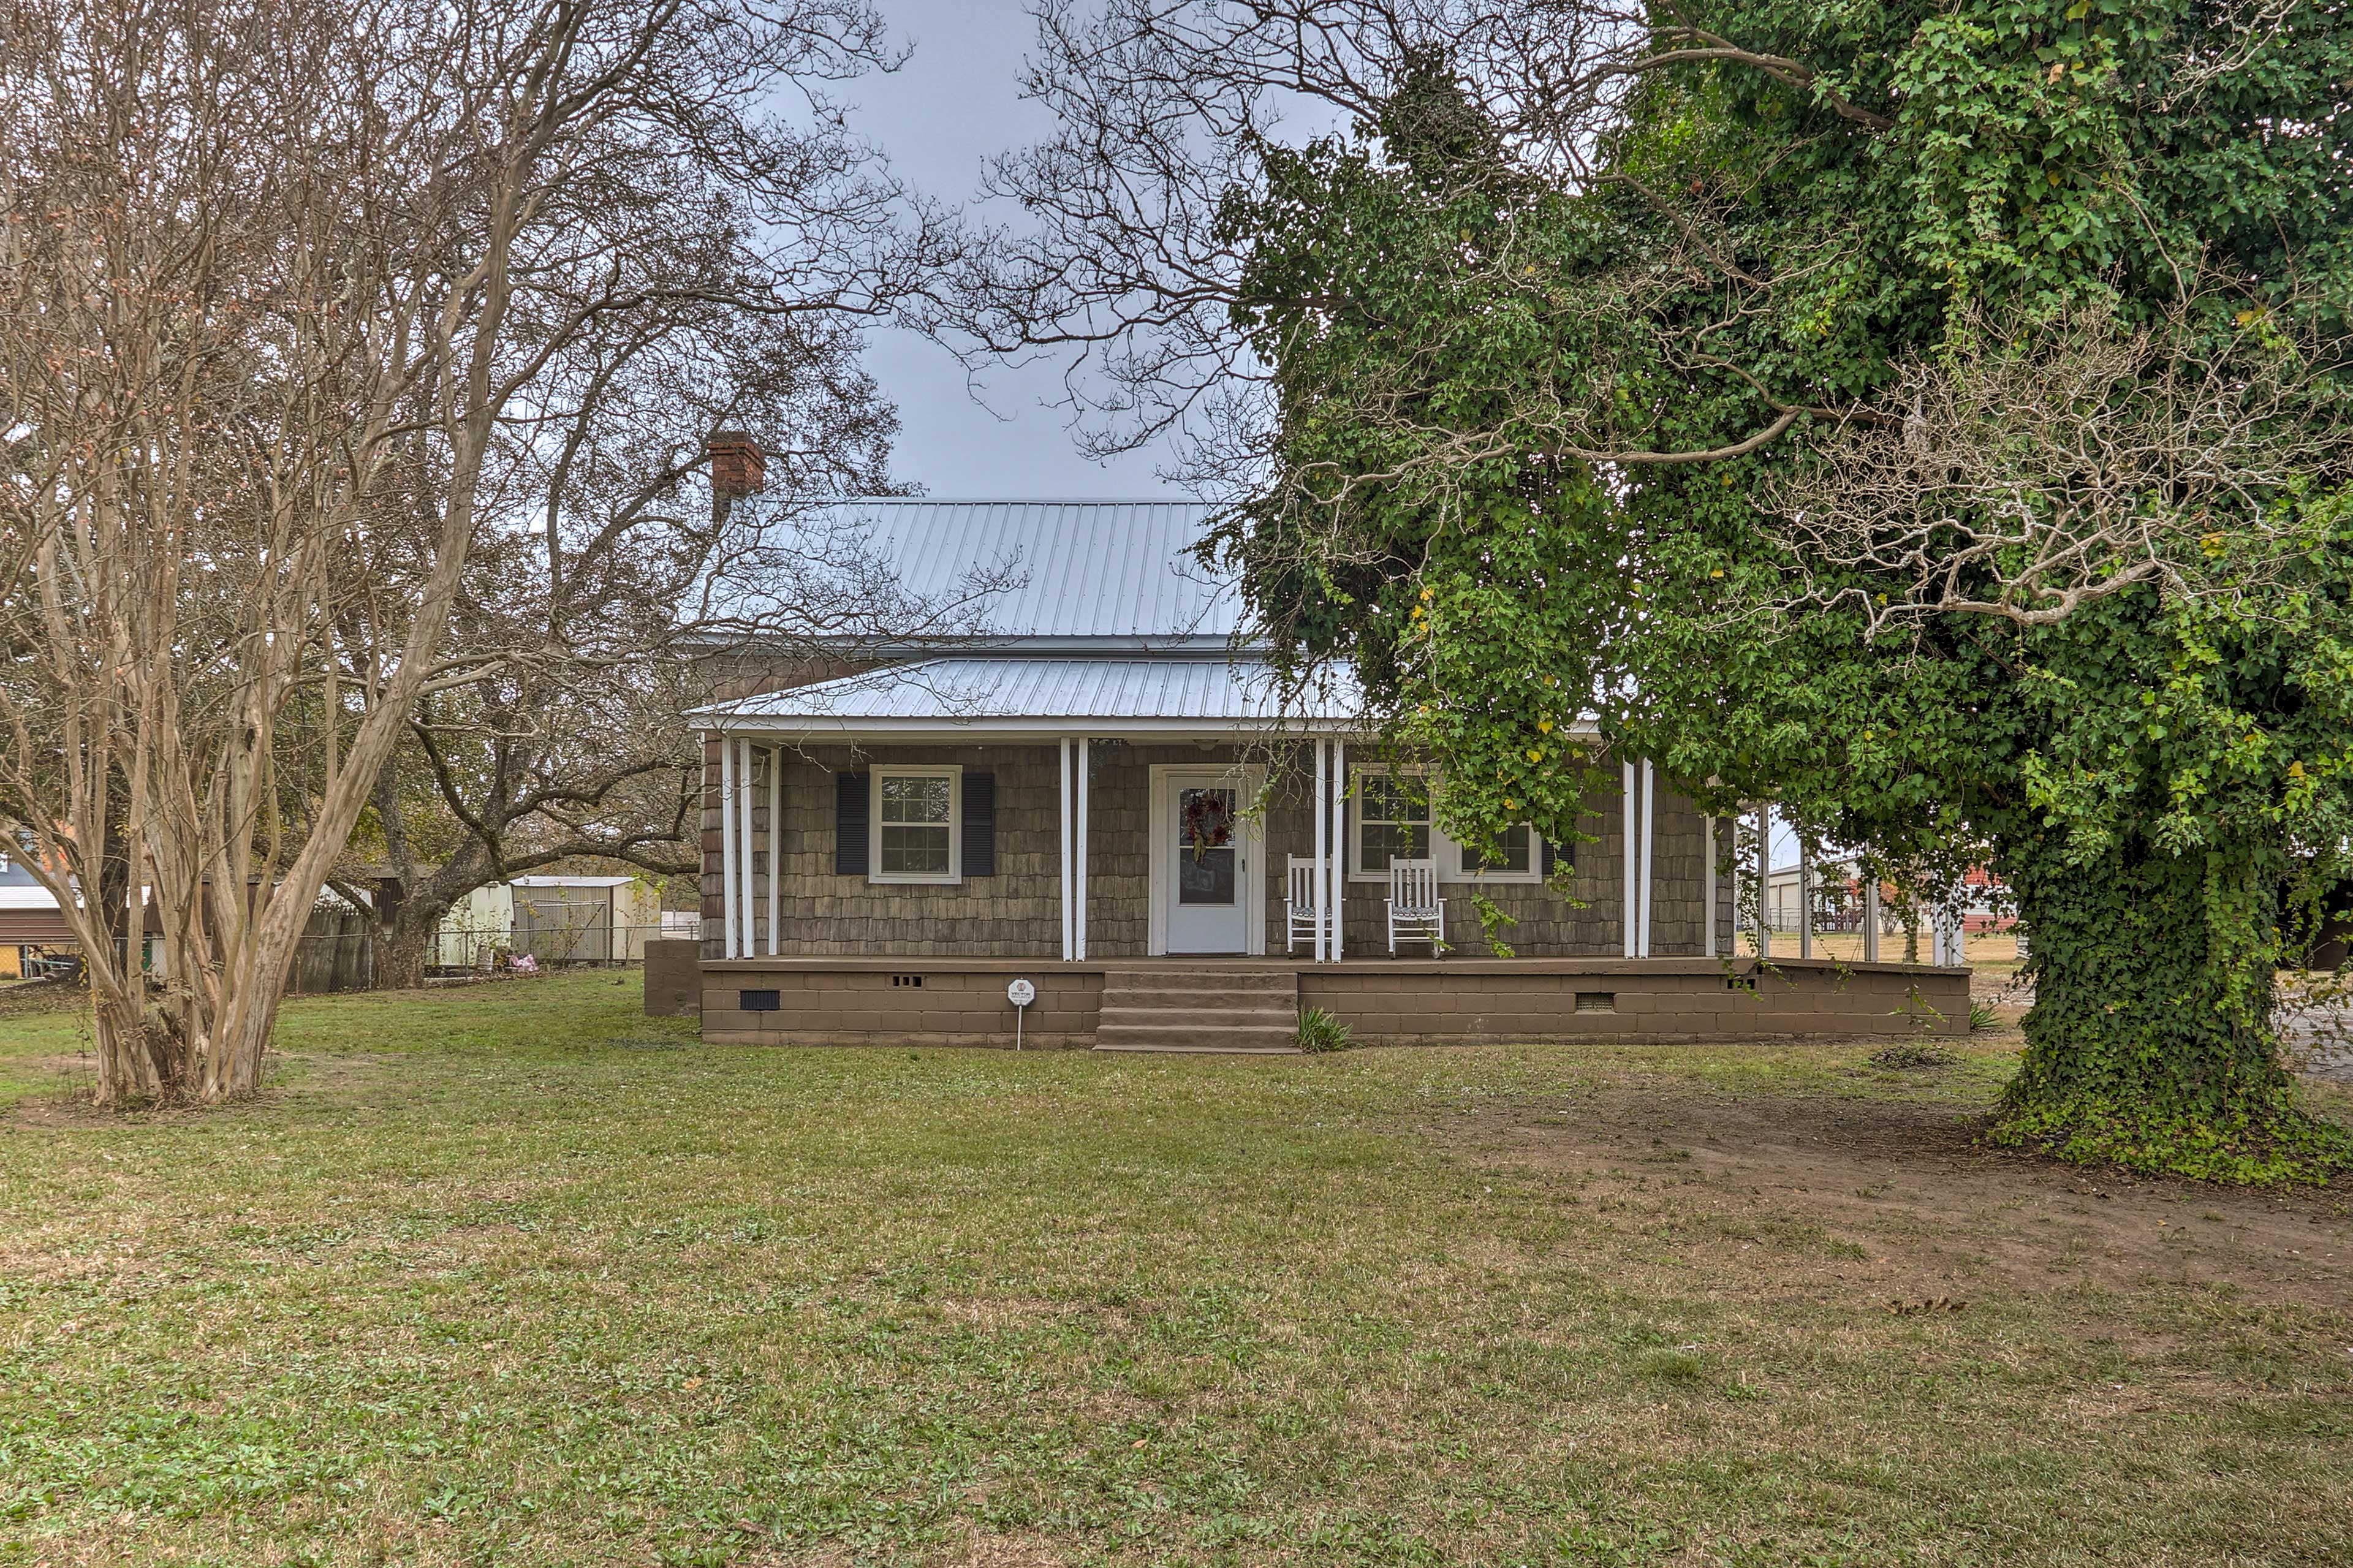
1008,695
1076,573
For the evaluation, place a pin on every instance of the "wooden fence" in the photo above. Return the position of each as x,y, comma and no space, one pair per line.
337,952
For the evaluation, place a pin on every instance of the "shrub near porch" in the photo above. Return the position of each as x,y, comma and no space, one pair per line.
517,1274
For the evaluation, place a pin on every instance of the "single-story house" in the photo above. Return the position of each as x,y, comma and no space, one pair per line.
1103,795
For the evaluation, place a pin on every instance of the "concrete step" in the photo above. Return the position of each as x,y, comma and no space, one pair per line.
1245,1009
1187,996
1254,1039
1220,1011
1250,1011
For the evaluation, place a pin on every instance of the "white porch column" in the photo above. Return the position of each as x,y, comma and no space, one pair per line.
1805,898
1338,868
1764,881
1062,856
1322,848
1629,916
1650,825
1079,859
727,846
776,837
1707,891
743,853
1870,915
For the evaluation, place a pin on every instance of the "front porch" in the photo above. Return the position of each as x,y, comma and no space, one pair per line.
1152,803
963,1001
1096,848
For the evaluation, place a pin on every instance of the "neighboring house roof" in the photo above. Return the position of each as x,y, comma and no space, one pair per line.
1079,574
1009,694
573,881
28,912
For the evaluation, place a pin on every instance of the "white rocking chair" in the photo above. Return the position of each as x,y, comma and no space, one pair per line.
1416,911
1299,905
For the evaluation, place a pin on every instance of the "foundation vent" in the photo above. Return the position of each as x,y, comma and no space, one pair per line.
758,1001
1597,1001
915,980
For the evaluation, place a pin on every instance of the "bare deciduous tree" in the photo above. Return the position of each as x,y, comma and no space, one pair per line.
730,286
573,744
2052,465
278,275
1127,272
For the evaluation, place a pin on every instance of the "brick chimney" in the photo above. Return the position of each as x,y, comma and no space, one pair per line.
736,469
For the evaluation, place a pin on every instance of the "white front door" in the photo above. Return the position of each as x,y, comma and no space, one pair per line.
1204,860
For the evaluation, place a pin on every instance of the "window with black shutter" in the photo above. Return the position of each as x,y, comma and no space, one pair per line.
849,819
979,824
1555,855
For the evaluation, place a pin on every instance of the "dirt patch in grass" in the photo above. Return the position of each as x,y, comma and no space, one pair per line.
26,998
1900,1203
75,1108
1006,1551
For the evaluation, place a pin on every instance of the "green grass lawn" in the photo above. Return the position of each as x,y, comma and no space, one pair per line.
513,1275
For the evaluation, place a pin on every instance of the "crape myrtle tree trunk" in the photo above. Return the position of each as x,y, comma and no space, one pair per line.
278,277
1931,418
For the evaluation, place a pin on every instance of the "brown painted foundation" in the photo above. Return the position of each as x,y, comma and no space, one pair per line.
962,1001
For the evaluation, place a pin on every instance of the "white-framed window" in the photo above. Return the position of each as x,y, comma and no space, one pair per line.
1522,855
1390,818
917,824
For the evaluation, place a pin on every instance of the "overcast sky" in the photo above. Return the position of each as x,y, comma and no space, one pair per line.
953,105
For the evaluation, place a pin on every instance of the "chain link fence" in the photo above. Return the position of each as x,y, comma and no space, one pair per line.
566,945
338,952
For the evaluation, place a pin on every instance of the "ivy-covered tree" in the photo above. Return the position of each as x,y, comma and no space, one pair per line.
1928,415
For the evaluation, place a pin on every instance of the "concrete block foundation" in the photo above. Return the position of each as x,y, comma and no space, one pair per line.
962,1002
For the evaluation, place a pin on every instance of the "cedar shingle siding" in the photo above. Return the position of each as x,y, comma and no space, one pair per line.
1006,906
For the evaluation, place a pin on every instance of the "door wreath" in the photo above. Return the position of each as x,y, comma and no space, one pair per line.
1209,821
